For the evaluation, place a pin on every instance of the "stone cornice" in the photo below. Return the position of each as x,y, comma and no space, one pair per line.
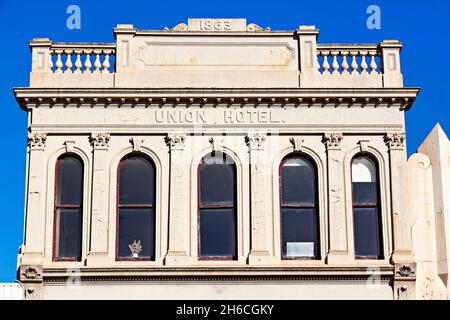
402,98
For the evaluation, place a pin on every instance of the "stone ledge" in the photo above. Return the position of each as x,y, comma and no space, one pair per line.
221,274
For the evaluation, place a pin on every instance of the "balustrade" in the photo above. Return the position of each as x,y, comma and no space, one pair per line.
348,59
77,58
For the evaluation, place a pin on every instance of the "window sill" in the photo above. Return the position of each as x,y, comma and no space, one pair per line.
141,259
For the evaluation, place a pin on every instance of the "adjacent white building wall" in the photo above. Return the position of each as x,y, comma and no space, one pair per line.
429,207
11,291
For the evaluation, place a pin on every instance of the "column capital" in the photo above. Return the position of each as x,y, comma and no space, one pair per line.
395,140
255,140
332,140
176,141
100,141
36,141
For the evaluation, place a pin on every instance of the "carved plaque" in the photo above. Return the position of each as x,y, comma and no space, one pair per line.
208,24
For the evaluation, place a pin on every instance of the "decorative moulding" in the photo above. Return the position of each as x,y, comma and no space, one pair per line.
297,143
69,145
100,140
216,143
255,27
136,143
363,144
37,140
176,141
255,140
403,271
333,140
395,140
401,98
30,273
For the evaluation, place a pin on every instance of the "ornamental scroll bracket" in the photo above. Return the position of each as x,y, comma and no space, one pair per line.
254,28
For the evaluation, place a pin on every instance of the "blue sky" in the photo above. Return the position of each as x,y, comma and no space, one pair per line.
423,26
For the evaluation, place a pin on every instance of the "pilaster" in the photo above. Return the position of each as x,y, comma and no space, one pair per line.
259,253
98,251
338,234
401,225
35,215
178,200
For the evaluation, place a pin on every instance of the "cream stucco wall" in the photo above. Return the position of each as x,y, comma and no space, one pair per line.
245,291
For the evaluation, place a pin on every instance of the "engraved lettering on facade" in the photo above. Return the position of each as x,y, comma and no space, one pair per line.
180,116
215,24
250,116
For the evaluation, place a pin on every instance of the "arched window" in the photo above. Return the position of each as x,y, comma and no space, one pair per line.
366,208
68,225
299,209
217,207
136,209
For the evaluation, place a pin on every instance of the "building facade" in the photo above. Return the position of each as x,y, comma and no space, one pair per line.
219,159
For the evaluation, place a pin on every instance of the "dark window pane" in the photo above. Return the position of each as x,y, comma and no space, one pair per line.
69,233
137,177
365,193
217,233
299,232
367,232
70,181
298,182
136,224
217,185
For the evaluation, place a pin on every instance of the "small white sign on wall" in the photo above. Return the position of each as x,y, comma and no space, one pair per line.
300,249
